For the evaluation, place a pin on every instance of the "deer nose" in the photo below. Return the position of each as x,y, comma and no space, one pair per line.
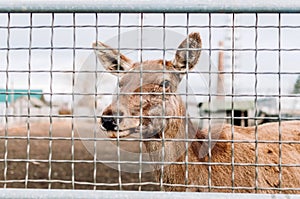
110,122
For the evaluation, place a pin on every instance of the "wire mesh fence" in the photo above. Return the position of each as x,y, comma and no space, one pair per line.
199,101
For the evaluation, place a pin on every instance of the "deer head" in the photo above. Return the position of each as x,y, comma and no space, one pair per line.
147,101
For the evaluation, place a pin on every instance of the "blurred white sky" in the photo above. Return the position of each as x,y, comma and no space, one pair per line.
62,60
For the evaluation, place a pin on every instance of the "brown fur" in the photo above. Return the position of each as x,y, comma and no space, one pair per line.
244,153
232,164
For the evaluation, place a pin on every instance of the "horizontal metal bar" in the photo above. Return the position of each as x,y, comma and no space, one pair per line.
151,6
44,193
150,49
136,162
147,26
33,71
186,140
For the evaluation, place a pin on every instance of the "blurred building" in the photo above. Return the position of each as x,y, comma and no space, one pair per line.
17,105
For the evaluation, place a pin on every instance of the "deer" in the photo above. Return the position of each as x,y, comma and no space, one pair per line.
258,159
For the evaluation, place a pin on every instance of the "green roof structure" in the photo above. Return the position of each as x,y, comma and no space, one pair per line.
11,95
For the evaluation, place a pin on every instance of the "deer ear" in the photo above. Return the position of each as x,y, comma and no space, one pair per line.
109,58
188,52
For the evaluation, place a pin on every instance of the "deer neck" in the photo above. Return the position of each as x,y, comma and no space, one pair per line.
170,150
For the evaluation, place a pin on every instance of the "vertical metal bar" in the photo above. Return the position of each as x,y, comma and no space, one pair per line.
161,181
95,112
209,101
232,100
141,22
6,102
164,70
255,102
73,101
279,105
118,103
28,104
186,136
50,103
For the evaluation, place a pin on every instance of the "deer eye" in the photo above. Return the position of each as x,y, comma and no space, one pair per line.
165,83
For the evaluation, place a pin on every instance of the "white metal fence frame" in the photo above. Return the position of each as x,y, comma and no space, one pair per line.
134,6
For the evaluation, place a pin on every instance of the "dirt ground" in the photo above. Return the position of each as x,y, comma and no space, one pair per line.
14,162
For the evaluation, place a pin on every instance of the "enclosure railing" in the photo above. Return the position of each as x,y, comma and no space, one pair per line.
154,6
136,6
77,194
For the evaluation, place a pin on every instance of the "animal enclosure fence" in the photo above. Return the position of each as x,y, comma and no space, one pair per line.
71,136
